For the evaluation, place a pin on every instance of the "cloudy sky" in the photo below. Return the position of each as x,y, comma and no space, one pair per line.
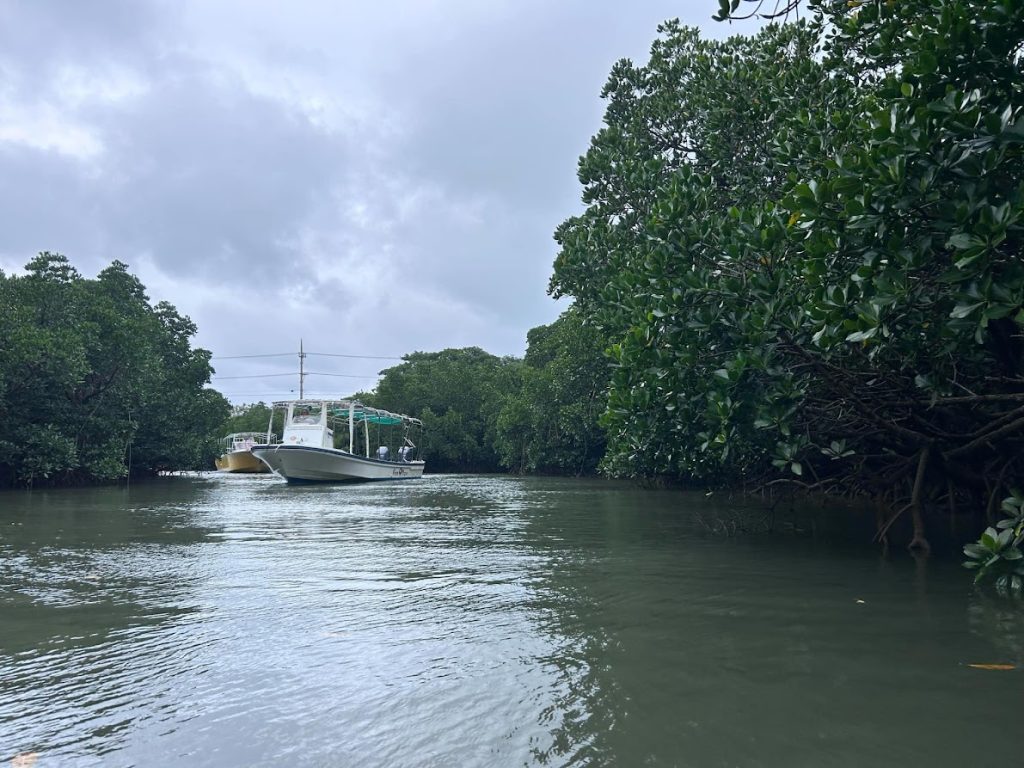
373,178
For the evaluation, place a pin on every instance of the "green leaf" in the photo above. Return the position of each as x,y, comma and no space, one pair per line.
963,240
997,311
961,311
975,550
970,256
862,335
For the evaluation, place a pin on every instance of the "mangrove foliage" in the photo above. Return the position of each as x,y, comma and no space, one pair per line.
95,382
803,249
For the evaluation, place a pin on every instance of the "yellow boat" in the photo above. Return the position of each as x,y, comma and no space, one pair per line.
237,456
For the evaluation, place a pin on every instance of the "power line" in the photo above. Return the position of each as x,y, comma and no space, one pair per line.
252,376
307,373
243,357
361,357
293,354
289,393
342,375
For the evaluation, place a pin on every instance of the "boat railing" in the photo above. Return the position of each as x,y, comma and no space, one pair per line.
243,441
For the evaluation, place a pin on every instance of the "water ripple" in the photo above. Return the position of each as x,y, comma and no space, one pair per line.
472,621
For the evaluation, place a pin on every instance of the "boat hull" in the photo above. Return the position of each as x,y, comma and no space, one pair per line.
309,464
242,462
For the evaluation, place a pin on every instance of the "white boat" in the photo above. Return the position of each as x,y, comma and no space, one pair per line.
380,443
237,456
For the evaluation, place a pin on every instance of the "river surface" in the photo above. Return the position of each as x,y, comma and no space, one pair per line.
480,621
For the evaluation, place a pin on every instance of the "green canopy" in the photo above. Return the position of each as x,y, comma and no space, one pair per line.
370,416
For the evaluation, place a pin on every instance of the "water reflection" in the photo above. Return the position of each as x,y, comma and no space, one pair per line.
679,649
226,621
1000,622
87,597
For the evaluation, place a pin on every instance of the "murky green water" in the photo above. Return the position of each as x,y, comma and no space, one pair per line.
478,621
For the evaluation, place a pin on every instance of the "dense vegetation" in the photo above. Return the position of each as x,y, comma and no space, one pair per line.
804,251
254,417
456,392
491,414
96,384
108,385
549,425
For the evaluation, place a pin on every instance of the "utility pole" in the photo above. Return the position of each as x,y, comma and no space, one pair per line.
302,370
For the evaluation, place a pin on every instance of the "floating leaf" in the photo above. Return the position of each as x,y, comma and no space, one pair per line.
1000,667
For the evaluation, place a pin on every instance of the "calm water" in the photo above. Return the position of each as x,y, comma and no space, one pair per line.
478,621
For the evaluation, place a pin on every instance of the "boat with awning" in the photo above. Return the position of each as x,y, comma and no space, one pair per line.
336,441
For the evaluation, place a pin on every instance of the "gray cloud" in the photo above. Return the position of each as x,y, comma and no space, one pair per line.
374,179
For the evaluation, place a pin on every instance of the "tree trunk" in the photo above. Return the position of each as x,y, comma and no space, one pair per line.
916,507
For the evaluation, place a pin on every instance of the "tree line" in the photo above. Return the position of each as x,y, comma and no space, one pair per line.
97,384
803,251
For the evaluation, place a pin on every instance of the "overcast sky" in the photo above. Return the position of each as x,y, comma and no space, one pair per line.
373,178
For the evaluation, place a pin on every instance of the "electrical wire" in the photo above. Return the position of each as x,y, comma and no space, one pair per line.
361,357
252,376
245,357
294,354
275,393
307,373
342,375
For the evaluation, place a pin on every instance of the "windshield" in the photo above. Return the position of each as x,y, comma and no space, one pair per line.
306,414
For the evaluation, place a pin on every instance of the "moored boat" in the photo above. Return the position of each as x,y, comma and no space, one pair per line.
380,444
238,457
